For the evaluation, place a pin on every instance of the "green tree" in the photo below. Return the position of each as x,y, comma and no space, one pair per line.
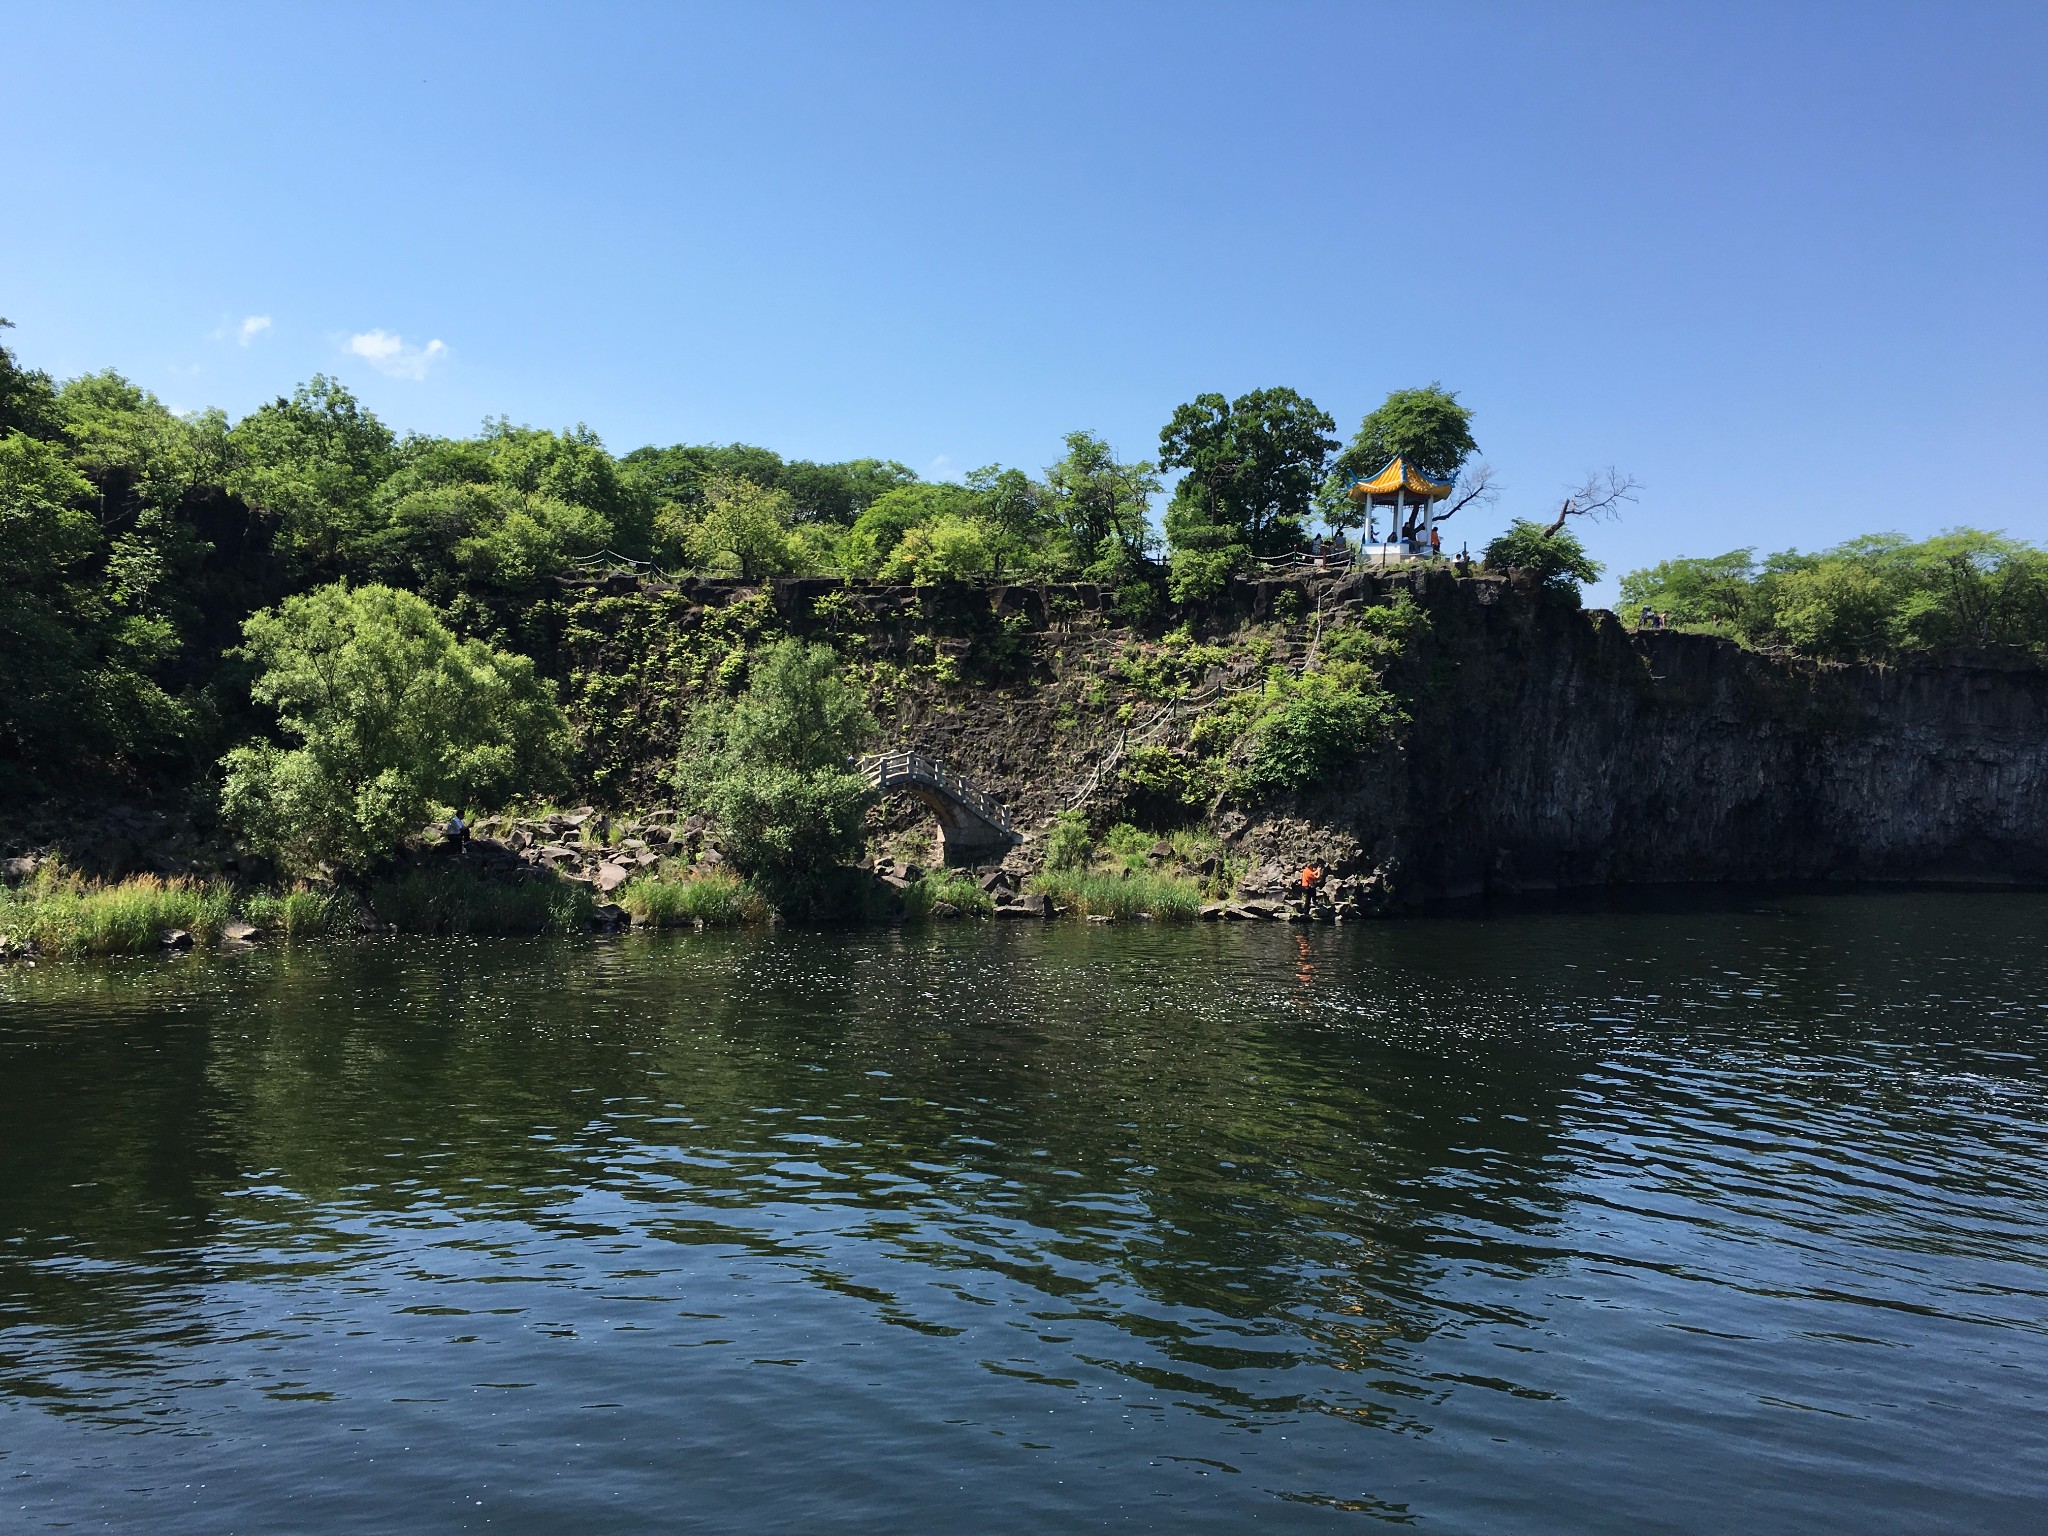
947,548
774,768
877,531
1099,509
1252,464
27,401
394,717
743,532
1555,555
76,655
1427,427
1720,590
1011,511
316,461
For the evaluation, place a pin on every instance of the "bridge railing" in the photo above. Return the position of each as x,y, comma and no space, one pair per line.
887,769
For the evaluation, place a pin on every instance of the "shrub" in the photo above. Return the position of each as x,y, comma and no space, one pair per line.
395,715
773,768
1558,559
1316,726
1068,845
299,913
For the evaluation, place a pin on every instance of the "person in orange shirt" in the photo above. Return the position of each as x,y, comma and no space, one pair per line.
1311,878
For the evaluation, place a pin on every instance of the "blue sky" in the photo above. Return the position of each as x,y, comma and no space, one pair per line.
1785,263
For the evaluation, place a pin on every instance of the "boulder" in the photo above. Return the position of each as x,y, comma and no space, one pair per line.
610,876
993,882
609,915
1161,850
944,909
655,836
18,869
174,938
1213,911
239,932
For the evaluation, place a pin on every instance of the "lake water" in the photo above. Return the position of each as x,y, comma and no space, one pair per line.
1724,1217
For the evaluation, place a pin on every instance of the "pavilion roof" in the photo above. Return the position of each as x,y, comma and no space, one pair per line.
1398,476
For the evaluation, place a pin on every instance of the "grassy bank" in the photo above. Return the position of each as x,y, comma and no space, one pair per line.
62,916
1122,893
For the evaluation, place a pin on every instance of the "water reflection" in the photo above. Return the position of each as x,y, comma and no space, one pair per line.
1482,1190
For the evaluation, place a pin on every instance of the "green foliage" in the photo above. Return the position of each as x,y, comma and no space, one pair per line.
1163,788
456,900
1312,729
315,461
1427,427
715,899
1252,465
78,641
1098,509
395,716
947,548
28,403
1068,843
1122,894
63,916
1718,591
301,912
774,767
948,886
1558,559
892,515
744,531
1873,596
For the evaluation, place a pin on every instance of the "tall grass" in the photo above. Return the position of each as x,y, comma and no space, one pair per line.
1122,893
719,899
958,889
62,915
455,901
300,913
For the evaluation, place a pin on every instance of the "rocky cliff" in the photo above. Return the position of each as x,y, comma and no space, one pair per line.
1545,747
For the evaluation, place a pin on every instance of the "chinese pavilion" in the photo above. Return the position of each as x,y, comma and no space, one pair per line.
1410,496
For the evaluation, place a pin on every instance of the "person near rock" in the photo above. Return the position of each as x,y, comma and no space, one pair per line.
456,833
1311,882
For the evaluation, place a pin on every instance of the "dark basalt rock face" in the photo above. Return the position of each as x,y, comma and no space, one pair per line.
1553,749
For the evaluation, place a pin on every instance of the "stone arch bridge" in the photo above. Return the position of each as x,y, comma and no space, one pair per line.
973,826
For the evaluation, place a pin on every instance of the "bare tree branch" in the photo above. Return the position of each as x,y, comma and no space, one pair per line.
1601,494
1475,487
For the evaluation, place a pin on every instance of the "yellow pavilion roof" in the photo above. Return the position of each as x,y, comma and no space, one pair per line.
1397,476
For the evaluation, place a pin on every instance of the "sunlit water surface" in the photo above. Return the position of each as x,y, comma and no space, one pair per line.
1730,1218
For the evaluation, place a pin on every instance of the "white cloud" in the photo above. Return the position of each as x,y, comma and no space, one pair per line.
389,353
252,327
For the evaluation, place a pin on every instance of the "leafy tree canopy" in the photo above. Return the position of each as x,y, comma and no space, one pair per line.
1871,596
315,460
1252,465
774,769
1557,557
1427,427
394,716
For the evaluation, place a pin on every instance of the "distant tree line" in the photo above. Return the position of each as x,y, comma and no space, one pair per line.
1876,596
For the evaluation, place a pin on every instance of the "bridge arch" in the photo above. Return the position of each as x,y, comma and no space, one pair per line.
973,826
